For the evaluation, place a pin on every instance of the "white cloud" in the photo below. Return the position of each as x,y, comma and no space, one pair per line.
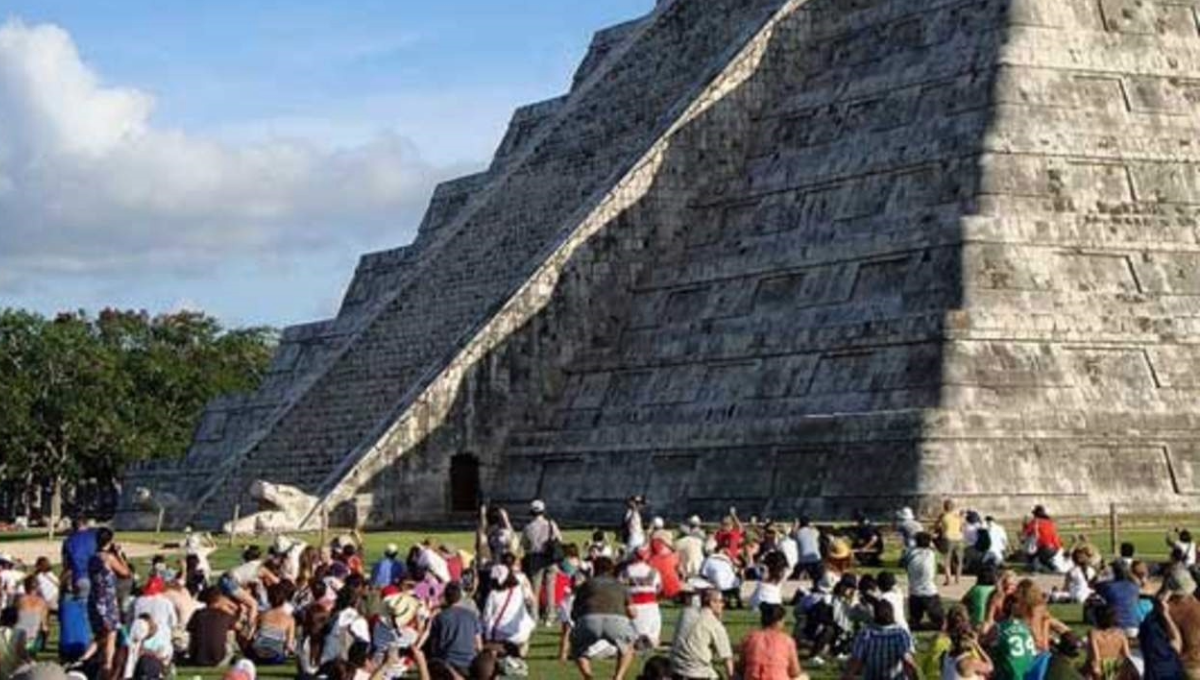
89,186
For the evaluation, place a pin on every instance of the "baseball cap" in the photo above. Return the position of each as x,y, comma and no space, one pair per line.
392,549
657,523
537,506
694,521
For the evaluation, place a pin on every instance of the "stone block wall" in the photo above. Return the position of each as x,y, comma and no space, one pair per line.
799,257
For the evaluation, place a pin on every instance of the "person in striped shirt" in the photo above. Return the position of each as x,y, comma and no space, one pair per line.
645,585
884,651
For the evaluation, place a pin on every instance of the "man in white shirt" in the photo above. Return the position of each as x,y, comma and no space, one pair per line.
719,570
11,581
998,549
789,547
923,598
1180,541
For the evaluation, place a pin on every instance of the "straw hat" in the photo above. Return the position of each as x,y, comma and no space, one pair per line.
839,549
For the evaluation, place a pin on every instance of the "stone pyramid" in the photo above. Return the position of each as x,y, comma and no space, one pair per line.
803,256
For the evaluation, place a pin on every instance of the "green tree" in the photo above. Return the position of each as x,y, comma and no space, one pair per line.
81,397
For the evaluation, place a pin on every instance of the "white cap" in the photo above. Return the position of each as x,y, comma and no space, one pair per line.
392,549
905,515
7,559
537,506
694,521
246,666
657,523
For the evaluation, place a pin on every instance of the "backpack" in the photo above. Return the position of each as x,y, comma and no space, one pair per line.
983,540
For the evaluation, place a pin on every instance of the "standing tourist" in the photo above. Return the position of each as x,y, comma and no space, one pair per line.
701,640
808,540
541,540
496,535
104,612
690,547
908,527
645,586
633,530
77,551
949,530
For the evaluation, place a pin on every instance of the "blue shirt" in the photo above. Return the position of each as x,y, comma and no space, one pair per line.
882,650
452,636
1122,596
389,571
77,551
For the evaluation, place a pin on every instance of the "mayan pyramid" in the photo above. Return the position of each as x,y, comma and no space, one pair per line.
804,256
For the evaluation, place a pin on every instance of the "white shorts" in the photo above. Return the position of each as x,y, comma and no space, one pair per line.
647,621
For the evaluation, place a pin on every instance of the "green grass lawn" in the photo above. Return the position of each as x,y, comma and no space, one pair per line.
544,649
542,663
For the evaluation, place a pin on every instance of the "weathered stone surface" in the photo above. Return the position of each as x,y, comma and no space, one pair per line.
798,256
282,508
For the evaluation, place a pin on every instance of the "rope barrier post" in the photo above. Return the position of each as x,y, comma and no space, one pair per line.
1113,532
237,514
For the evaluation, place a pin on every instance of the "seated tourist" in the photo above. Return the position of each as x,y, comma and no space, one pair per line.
456,634
769,653
275,638
211,631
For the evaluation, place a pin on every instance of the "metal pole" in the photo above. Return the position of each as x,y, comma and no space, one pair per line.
324,524
237,514
162,512
1113,536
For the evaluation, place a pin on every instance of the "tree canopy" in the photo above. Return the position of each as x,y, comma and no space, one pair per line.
82,396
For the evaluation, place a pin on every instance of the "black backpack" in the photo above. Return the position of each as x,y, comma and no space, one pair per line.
983,541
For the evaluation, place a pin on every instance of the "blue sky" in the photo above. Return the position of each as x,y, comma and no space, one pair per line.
197,147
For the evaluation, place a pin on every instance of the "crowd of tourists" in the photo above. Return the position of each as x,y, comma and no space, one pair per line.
820,597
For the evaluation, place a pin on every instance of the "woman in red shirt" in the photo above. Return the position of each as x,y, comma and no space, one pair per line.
1041,538
770,654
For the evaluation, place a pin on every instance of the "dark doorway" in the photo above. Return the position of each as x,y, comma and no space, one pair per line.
464,483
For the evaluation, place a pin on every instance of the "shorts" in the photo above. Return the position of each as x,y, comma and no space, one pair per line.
612,628
950,547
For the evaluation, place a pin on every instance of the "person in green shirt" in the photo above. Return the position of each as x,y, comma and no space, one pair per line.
1014,651
976,599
